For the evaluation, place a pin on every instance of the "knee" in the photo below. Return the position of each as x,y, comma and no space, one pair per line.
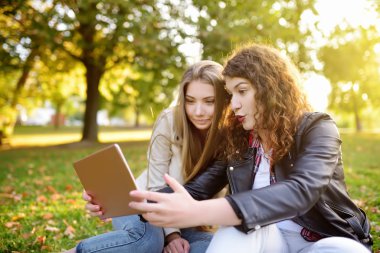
338,244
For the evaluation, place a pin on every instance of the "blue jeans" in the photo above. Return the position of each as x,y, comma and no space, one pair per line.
132,235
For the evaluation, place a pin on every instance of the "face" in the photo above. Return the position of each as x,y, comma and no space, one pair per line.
242,100
200,104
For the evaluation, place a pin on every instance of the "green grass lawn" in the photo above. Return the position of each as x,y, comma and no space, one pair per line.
40,196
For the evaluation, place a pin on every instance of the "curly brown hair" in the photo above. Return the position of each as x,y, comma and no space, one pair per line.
275,80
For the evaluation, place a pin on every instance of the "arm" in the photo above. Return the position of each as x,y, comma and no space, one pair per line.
284,200
314,166
160,153
179,209
207,184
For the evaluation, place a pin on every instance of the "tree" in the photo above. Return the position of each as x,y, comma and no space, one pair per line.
227,24
102,34
352,65
22,41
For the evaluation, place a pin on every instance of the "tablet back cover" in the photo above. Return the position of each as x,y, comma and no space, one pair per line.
106,176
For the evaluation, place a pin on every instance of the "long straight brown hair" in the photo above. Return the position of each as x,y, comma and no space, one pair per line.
195,156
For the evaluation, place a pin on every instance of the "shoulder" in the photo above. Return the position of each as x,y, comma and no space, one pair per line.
315,119
164,125
317,125
165,119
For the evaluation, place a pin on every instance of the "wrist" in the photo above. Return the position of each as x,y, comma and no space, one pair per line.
171,237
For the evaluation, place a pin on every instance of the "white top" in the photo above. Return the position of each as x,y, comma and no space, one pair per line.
262,179
164,156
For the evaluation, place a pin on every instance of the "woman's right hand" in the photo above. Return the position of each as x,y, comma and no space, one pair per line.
93,210
176,244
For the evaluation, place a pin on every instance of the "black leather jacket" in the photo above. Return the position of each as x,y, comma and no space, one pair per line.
310,186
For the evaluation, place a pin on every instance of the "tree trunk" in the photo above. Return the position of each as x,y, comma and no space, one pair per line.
9,125
358,123
90,125
137,117
57,118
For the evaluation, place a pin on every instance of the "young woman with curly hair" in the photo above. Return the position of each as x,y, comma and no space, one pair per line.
284,167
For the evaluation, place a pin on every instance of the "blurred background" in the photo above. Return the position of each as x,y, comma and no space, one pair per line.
82,64
76,75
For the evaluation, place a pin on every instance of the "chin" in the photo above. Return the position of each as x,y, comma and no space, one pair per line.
247,127
203,128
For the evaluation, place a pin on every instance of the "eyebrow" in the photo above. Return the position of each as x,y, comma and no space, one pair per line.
237,85
202,98
240,83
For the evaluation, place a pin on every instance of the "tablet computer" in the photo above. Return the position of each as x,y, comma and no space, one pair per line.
106,176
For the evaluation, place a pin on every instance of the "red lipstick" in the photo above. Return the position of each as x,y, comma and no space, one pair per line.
240,118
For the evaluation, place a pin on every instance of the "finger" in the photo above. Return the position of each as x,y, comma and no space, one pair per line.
144,207
168,249
148,195
96,214
175,245
177,187
179,245
92,208
171,248
85,196
186,246
156,220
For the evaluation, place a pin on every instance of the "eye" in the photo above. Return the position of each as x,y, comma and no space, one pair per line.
189,101
242,91
210,101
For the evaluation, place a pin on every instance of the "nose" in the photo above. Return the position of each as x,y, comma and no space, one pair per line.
198,109
235,103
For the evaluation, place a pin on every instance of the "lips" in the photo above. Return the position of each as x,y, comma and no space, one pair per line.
201,121
240,118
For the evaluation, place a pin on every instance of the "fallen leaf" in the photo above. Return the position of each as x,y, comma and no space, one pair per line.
51,189
51,229
51,222
42,198
18,217
12,224
69,232
7,189
55,196
40,240
47,216
70,201
26,235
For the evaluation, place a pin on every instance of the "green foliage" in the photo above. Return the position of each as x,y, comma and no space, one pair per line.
40,196
352,65
228,24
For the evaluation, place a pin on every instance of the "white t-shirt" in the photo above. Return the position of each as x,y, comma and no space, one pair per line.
262,179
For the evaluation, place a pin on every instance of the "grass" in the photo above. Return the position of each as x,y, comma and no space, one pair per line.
47,135
40,196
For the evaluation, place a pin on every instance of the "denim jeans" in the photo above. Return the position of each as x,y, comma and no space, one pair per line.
129,235
198,240
132,235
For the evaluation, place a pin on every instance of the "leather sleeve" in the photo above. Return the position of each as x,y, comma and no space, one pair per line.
306,180
207,184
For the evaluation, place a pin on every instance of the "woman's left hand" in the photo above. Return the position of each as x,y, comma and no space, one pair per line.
176,209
